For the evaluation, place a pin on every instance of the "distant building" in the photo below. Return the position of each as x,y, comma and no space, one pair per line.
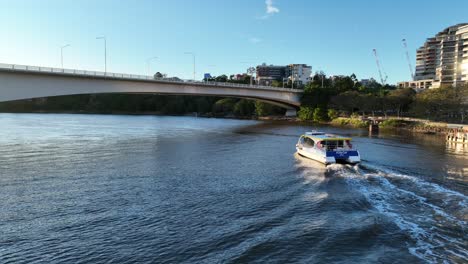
266,74
417,85
368,82
299,73
442,60
239,77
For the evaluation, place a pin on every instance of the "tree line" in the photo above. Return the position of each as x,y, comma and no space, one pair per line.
326,98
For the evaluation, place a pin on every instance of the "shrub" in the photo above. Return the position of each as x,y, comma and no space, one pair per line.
354,115
332,114
392,123
306,113
353,122
320,115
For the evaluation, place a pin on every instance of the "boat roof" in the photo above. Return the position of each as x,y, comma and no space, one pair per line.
320,136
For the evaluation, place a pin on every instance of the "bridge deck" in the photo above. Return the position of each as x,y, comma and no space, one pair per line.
131,77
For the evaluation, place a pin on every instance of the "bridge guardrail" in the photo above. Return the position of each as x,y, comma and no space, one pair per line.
58,71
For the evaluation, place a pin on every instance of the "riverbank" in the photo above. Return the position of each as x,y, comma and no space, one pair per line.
394,123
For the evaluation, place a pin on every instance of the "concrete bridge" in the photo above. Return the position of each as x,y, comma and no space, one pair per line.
26,82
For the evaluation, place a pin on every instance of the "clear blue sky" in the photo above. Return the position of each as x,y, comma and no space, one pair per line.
335,36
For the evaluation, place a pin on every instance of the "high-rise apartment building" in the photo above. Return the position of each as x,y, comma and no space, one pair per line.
442,60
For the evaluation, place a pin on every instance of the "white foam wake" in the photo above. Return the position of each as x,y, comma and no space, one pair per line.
425,222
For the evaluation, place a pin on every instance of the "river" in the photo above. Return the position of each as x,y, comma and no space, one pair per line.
127,189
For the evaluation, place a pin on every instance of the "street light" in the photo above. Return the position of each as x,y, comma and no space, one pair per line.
148,61
105,53
61,54
193,54
292,76
251,71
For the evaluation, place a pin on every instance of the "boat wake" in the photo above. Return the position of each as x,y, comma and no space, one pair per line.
433,217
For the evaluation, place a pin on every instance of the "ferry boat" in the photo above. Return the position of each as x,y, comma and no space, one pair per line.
327,148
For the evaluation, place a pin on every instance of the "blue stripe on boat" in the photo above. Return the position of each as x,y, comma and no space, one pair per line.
342,154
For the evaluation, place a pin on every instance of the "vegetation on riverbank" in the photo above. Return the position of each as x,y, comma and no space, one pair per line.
351,122
140,104
345,96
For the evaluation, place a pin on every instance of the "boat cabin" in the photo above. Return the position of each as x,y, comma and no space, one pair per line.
327,148
326,142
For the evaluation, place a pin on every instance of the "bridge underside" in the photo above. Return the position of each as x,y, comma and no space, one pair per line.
26,85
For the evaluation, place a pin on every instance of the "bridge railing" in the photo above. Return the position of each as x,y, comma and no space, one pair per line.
60,71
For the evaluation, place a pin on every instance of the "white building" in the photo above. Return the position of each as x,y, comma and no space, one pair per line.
299,73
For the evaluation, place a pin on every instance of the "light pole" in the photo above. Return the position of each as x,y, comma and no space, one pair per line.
61,54
251,71
105,53
292,76
322,77
148,62
194,69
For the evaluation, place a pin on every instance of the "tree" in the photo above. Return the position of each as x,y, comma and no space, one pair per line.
221,78
344,84
369,103
347,101
401,99
203,105
306,113
224,106
158,75
444,103
265,109
244,108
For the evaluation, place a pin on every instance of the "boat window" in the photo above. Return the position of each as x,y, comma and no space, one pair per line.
301,140
308,142
329,144
333,144
340,144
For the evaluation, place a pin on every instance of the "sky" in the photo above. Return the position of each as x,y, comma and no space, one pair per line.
227,37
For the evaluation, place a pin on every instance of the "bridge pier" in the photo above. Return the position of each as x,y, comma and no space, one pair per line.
291,113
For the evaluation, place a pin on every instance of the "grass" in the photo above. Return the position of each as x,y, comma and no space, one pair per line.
392,123
352,122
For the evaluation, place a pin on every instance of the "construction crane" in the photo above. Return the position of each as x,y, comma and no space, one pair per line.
382,79
408,58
